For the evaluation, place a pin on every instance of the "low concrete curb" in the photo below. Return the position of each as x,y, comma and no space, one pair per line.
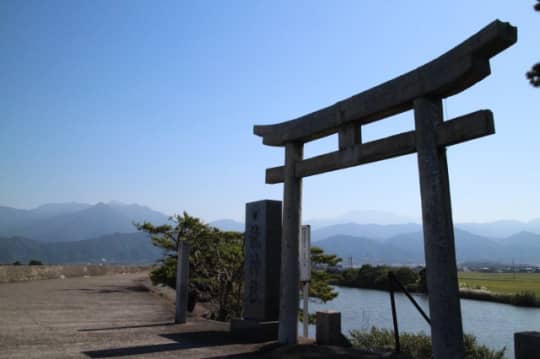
21,273
163,291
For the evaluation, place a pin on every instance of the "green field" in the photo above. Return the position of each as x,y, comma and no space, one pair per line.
507,283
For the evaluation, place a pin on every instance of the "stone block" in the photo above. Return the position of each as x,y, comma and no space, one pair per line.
328,329
527,345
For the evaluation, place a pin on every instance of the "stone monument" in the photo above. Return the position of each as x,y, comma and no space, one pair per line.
262,252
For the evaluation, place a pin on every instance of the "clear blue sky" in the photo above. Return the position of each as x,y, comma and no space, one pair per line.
155,102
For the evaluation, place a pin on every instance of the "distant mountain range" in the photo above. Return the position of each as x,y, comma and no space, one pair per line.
131,248
75,221
501,229
501,241
408,248
81,233
362,217
372,231
228,225
497,230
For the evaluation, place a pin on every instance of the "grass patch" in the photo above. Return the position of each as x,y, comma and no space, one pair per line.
501,282
417,345
521,289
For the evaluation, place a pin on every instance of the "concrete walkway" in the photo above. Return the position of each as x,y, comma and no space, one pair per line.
97,317
115,316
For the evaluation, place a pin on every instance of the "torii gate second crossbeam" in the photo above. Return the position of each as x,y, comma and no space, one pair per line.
421,90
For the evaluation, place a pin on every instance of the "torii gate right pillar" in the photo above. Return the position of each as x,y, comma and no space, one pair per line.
439,247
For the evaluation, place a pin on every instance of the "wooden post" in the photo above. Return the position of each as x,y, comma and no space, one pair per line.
182,278
290,276
441,269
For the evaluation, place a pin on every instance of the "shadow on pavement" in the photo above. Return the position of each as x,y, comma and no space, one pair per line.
142,349
310,351
126,327
268,350
183,341
264,351
109,289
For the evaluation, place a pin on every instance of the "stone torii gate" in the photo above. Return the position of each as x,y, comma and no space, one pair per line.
421,90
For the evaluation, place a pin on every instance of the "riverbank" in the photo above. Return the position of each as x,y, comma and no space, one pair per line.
519,289
521,299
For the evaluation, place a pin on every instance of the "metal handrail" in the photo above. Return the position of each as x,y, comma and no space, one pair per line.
392,279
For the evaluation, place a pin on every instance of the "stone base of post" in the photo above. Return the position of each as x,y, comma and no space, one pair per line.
527,345
328,329
254,330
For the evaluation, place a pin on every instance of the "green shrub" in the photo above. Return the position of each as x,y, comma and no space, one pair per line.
421,284
376,277
35,262
215,263
417,345
166,273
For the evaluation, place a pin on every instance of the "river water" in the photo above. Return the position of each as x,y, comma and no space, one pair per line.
493,324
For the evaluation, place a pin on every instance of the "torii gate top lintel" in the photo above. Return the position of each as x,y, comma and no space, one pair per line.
447,75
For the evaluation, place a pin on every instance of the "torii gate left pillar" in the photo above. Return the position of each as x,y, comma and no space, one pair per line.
292,219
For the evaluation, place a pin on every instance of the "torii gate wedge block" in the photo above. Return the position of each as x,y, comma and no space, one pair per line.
421,90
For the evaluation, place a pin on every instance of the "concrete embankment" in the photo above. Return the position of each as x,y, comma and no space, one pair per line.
20,273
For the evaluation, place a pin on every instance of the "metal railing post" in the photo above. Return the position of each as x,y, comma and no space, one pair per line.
392,280
394,318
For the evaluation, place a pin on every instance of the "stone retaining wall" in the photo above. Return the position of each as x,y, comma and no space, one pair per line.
11,273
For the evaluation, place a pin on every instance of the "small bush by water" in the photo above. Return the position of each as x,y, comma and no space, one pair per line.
525,298
521,299
417,345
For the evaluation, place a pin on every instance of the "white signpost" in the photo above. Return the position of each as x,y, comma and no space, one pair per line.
305,270
305,254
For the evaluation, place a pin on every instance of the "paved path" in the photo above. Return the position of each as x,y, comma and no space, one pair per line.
115,316
105,316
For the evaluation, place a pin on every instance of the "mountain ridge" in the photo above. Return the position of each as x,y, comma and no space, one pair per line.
408,248
66,222
50,224
120,248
